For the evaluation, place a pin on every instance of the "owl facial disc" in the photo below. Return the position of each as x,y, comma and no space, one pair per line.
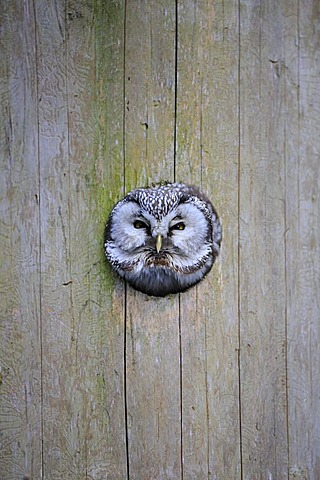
163,239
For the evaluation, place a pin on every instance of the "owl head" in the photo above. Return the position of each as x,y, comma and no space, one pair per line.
163,239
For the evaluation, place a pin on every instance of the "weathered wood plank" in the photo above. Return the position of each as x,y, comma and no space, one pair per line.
262,252
207,154
84,432
97,308
58,324
152,348
303,233
149,92
107,291
20,346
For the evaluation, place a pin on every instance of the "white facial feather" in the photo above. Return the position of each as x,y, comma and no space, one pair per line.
128,237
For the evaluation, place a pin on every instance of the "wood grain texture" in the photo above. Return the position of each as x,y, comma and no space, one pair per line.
83,415
303,233
149,92
108,292
98,381
262,252
61,398
207,106
152,347
20,343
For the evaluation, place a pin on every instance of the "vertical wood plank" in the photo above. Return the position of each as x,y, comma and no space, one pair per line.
84,433
149,90
108,292
98,308
220,149
262,252
194,395
58,323
20,346
303,233
152,348
207,154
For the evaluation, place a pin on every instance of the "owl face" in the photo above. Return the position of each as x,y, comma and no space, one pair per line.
163,239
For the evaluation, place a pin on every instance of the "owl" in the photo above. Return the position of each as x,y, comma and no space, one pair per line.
163,239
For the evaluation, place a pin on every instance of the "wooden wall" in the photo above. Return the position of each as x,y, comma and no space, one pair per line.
98,381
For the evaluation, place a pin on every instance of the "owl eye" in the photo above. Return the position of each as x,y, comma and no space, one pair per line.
139,224
178,226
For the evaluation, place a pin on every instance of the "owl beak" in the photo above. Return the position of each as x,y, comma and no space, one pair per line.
159,242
